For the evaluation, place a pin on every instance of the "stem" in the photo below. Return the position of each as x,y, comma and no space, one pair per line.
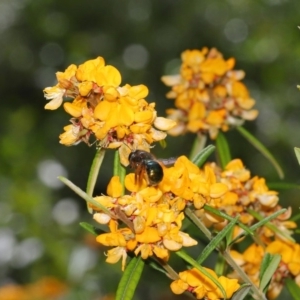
259,294
93,175
197,222
226,255
84,195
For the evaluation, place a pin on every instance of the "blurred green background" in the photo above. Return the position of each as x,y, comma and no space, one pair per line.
39,231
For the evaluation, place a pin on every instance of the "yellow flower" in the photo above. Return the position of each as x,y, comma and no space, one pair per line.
208,94
201,286
64,87
118,117
245,192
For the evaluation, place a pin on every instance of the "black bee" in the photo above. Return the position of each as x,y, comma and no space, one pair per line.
145,164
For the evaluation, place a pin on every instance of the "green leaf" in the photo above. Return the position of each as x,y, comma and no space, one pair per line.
282,186
293,288
226,217
200,158
88,227
242,292
119,170
197,222
297,152
198,145
223,150
193,263
130,279
268,267
214,243
261,148
264,221
83,195
94,172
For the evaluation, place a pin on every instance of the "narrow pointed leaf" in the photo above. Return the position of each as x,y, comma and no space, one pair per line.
94,172
293,288
268,267
119,170
198,223
241,293
88,227
214,243
262,222
193,263
130,279
92,229
261,148
223,150
82,194
265,221
297,152
198,145
226,217
200,158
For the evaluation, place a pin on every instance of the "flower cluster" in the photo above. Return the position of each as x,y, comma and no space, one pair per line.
251,259
154,214
246,193
208,94
115,115
201,286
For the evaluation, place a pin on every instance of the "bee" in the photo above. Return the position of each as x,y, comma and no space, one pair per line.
146,165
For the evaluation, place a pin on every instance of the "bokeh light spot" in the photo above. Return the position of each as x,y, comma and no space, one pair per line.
65,212
266,50
7,243
81,260
27,252
236,30
139,10
56,24
48,171
135,56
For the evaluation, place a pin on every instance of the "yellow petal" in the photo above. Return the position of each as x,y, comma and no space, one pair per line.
101,218
111,239
108,75
103,109
85,88
125,115
56,94
171,244
140,128
150,235
145,116
217,190
86,70
114,188
67,74
138,91
72,109
132,185
164,124
171,80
